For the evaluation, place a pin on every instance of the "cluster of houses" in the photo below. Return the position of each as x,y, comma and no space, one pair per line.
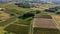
2,9
54,10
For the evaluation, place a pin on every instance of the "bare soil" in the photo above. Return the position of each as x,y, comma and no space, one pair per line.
44,23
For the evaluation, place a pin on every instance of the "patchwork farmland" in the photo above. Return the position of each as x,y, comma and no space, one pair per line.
45,25
17,29
34,20
11,23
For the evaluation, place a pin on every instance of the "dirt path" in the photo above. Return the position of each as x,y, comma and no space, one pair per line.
20,24
31,28
9,24
2,27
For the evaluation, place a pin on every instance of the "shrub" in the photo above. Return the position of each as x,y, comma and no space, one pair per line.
12,15
26,15
57,12
35,12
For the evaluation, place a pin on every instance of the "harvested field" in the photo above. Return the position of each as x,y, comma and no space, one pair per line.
4,16
17,29
44,23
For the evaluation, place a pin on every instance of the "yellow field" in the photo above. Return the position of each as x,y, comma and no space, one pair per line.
57,18
1,30
4,16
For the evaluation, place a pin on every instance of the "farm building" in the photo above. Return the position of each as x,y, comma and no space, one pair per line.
2,9
57,12
45,25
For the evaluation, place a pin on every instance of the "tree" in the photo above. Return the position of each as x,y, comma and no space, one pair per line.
12,15
35,11
26,15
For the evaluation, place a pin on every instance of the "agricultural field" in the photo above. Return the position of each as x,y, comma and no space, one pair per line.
57,18
45,25
18,20
46,31
17,29
4,16
11,17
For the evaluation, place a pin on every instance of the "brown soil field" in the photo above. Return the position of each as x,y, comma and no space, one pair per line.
44,26
44,23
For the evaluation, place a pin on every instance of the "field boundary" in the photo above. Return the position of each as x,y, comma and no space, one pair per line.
57,25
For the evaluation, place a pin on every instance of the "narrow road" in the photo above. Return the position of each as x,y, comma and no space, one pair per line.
9,24
20,24
31,28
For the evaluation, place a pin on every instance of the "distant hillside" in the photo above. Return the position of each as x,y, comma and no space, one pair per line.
56,2
40,1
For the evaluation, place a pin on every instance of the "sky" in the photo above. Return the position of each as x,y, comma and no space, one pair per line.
46,0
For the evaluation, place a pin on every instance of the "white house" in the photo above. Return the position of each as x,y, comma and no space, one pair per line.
2,9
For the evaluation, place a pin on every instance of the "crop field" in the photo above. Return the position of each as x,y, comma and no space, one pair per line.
7,21
43,16
23,26
4,16
45,25
57,18
17,29
46,31
22,21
